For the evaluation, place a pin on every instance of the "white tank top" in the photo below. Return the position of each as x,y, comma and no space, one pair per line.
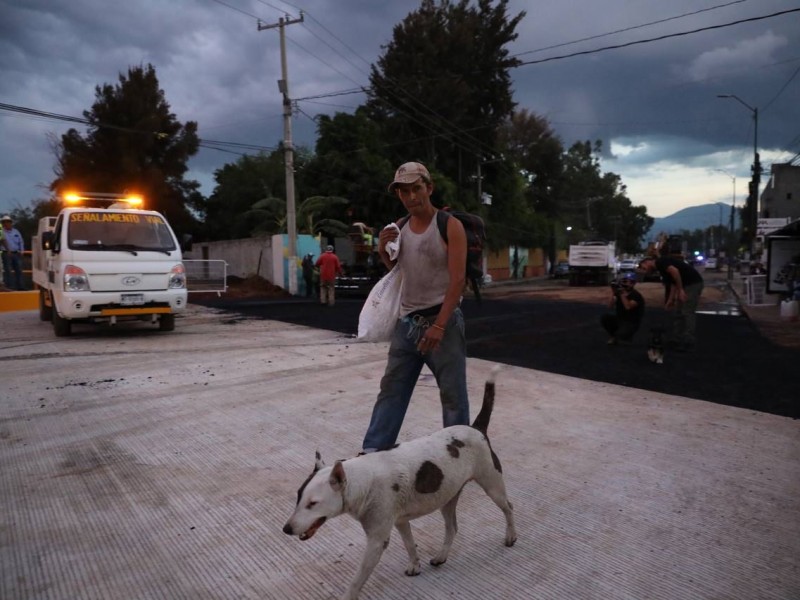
423,261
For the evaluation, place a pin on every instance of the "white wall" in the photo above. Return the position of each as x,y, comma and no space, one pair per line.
262,256
245,257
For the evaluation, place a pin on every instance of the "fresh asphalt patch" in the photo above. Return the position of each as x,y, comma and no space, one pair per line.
732,364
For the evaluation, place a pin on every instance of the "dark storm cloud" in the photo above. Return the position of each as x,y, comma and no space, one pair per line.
654,105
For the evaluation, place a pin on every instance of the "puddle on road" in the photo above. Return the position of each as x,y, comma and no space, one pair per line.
727,307
724,310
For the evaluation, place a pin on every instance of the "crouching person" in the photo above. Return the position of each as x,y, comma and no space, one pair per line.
628,305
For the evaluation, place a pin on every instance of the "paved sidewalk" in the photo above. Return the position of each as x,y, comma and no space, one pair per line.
145,465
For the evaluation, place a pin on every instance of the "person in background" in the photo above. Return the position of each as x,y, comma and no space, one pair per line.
12,248
329,268
683,286
628,305
430,330
308,274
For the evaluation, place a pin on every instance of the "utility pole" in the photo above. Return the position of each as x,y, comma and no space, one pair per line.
731,250
288,149
732,237
755,182
588,212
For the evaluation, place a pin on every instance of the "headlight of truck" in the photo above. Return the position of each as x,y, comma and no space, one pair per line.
75,279
177,277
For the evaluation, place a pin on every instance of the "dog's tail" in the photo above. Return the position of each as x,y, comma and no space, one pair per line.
481,422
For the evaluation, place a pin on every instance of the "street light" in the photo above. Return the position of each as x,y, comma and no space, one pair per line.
756,181
730,235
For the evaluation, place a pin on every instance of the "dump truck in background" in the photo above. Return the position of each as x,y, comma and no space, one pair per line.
108,264
362,266
592,263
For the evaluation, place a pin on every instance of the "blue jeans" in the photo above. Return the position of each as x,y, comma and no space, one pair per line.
448,364
12,261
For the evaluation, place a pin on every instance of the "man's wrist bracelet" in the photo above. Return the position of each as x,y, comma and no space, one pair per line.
439,327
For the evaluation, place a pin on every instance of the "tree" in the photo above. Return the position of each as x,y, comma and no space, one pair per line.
239,186
443,86
595,204
350,163
529,144
269,216
26,220
133,144
249,199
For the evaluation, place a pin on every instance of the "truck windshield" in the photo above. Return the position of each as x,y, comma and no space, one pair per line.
108,230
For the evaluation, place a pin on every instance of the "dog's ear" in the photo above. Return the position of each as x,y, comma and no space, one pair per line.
318,462
337,478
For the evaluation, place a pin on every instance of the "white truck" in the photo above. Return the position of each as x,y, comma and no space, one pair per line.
107,265
592,263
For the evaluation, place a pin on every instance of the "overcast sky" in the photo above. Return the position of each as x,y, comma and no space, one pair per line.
654,105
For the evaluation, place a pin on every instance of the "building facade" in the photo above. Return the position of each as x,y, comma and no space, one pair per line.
781,196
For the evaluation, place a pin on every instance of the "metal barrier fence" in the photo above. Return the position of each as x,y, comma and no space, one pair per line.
206,275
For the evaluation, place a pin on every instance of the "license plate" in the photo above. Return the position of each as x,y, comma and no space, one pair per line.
131,299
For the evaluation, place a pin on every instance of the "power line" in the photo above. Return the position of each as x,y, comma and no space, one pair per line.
434,119
280,10
367,90
783,88
332,94
35,113
602,35
438,122
239,10
658,39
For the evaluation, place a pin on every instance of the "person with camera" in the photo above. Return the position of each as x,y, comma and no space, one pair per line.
628,305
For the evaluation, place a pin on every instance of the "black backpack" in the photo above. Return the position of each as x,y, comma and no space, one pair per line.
475,230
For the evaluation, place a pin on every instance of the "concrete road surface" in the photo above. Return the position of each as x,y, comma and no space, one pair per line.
148,465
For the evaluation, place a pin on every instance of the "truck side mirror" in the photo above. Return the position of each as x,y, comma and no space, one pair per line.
186,242
47,240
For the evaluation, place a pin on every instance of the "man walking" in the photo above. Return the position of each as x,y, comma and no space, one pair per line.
430,330
329,268
12,248
682,288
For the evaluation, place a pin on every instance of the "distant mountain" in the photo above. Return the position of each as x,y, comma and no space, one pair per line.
695,217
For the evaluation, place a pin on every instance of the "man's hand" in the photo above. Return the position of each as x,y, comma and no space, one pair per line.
386,236
431,339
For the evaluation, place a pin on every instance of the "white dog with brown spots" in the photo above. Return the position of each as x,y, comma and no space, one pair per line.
390,488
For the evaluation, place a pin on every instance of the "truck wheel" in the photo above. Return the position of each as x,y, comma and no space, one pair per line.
166,322
45,312
61,326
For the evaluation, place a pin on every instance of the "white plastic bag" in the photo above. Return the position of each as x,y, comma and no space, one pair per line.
393,247
382,309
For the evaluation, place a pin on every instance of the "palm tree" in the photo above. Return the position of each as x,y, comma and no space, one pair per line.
269,216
